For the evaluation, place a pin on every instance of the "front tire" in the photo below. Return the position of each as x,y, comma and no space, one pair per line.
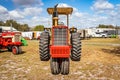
55,66
15,50
65,66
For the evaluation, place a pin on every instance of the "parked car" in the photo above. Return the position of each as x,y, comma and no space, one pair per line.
100,34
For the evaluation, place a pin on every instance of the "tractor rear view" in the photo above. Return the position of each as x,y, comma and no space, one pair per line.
63,44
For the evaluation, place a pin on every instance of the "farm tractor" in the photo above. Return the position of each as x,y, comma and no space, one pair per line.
63,44
11,41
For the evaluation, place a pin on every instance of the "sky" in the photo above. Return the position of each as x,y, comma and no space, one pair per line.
86,13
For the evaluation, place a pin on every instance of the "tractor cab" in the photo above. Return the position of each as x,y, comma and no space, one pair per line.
56,11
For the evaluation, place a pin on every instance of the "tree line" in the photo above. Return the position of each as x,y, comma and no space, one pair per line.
25,27
108,26
14,24
21,27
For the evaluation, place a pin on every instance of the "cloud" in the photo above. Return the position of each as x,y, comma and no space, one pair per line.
37,20
4,14
25,3
15,15
102,5
3,10
115,13
32,11
63,5
20,14
34,15
78,14
88,20
118,8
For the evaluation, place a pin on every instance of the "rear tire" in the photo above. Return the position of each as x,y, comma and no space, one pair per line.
44,46
55,66
65,66
76,47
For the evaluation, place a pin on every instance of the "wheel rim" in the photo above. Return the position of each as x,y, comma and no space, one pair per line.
14,51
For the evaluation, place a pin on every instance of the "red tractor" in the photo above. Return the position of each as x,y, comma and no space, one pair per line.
10,41
63,44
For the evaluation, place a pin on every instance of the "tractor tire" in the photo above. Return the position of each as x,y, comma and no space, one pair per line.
15,50
19,50
76,47
9,48
44,46
65,66
55,67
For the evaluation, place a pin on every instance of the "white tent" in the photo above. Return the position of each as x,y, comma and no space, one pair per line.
8,28
27,34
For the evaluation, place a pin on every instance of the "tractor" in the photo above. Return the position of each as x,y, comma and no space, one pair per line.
11,41
63,44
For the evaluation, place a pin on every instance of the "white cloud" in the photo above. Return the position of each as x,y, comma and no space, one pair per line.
20,14
35,16
115,14
102,5
89,21
37,20
15,14
78,14
4,15
63,5
32,11
78,19
118,8
26,3
3,10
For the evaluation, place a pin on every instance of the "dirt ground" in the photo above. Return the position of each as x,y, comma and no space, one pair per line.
100,60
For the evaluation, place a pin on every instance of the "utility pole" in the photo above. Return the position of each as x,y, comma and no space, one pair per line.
11,29
116,30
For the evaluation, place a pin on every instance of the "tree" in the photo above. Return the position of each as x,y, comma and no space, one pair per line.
39,28
2,23
24,27
105,26
18,26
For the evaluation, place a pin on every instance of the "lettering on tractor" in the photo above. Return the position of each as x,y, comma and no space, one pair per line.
63,44
10,41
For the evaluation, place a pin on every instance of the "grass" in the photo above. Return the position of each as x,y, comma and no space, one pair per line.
104,40
97,62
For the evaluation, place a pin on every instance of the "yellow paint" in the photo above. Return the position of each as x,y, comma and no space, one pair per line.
55,21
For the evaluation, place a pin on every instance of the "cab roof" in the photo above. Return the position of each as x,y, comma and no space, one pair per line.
61,11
